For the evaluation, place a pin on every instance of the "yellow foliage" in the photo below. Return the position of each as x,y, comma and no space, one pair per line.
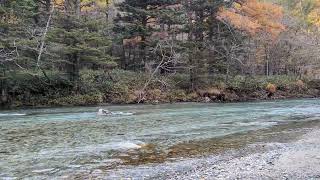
88,5
192,96
300,84
59,2
314,17
308,11
213,91
271,88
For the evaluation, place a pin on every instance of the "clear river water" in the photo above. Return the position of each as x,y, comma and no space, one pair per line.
67,143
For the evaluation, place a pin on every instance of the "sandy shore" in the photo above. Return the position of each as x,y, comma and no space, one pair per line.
299,159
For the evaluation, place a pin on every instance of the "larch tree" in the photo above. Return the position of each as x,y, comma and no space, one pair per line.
254,17
308,11
260,20
302,35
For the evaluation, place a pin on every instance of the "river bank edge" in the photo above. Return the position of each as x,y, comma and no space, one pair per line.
128,89
229,97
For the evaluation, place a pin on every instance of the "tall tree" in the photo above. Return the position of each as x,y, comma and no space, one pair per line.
203,31
261,20
18,41
80,38
139,20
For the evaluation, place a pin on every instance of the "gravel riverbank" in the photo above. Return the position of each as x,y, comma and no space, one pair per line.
296,160
299,159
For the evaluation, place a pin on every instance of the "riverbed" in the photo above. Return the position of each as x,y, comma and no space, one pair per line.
150,141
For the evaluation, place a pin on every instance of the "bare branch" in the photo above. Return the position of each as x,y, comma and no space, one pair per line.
44,35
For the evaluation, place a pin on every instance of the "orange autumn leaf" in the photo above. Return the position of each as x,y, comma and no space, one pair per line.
254,17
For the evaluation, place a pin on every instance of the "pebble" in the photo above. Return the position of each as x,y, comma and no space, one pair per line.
268,164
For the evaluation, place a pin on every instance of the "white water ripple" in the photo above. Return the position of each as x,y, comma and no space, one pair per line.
12,114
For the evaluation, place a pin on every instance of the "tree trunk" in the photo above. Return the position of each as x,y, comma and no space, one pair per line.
267,60
107,11
73,7
4,93
78,8
144,45
76,71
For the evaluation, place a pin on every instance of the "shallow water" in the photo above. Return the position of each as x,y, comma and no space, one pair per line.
63,142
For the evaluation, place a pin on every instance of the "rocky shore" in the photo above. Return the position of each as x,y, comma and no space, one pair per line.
298,159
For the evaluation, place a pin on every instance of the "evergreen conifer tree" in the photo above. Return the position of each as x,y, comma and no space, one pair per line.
140,20
80,39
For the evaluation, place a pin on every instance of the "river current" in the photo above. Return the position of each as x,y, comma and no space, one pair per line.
64,142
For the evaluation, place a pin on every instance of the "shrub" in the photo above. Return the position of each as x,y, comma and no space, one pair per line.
271,88
282,82
154,94
193,96
242,83
94,81
119,94
300,84
78,100
132,79
180,81
177,96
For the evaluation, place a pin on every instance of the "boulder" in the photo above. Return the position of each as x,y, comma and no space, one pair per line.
103,112
207,100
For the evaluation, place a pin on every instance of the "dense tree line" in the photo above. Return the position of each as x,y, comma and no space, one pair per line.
45,45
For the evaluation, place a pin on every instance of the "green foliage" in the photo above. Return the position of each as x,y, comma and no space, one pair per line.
80,41
130,78
136,13
119,94
95,81
180,80
244,83
118,86
78,100
17,17
140,25
85,62
177,96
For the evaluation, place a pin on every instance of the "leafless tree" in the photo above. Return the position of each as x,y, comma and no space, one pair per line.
43,38
165,50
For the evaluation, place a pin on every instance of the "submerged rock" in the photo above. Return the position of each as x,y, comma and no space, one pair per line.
103,112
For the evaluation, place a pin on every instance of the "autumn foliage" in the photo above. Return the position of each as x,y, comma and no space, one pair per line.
307,10
87,5
253,17
271,88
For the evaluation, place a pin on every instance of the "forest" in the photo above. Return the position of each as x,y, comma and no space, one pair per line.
89,52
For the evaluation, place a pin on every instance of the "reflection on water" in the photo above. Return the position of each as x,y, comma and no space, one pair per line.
58,142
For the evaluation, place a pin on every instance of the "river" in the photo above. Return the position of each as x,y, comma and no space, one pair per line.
70,143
